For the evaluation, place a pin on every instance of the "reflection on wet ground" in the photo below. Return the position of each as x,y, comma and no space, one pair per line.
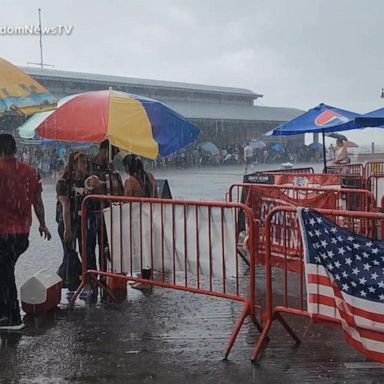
166,336
170,337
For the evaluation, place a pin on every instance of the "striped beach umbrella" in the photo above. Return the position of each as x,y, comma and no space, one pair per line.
137,124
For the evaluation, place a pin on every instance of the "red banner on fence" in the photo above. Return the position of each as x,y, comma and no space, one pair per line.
307,180
285,233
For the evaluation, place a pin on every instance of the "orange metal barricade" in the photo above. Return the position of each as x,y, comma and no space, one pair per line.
375,184
347,169
268,197
286,291
347,198
309,179
365,171
374,168
304,170
187,245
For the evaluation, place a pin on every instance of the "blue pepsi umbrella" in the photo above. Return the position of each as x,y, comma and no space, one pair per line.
323,118
371,119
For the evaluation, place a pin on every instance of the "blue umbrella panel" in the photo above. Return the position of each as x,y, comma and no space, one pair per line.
323,118
372,119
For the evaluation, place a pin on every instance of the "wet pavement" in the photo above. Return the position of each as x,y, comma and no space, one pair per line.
166,336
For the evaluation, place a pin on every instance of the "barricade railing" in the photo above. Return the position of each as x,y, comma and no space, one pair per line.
375,184
307,180
303,170
285,292
363,170
346,169
262,199
373,168
238,193
183,245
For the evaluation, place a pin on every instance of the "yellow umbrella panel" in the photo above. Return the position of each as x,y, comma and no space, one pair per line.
20,93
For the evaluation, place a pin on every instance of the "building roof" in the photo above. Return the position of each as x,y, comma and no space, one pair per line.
189,109
195,110
92,77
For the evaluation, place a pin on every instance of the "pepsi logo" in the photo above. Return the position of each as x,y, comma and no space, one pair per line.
329,119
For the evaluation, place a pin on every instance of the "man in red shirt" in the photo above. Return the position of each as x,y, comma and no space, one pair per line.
20,188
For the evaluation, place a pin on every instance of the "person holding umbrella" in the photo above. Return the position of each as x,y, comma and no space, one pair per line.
103,180
340,153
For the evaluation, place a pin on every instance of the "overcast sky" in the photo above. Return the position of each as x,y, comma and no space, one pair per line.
296,53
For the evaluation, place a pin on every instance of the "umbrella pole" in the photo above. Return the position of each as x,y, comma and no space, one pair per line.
324,154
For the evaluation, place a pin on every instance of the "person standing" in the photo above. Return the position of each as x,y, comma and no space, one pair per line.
20,188
70,194
104,181
139,182
341,153
330,153
248,156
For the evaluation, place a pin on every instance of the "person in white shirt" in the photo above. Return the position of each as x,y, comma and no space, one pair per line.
341,153
248,156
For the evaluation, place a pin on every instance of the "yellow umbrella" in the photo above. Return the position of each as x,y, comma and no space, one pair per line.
20,93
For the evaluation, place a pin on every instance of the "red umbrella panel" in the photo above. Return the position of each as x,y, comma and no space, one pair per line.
350,144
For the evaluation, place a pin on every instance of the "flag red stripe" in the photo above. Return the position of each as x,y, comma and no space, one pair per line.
325,281
365,314
378,356
315,298
368,315
377,336
364,332
318,279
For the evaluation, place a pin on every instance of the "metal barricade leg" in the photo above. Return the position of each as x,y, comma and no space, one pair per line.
71,302
236,330
262,340
287,327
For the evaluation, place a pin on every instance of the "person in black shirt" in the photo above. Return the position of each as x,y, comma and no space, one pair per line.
70,193
104,181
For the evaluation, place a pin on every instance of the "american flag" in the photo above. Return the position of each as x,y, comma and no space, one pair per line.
345,281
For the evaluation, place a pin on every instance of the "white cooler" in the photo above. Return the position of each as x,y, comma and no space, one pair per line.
41,293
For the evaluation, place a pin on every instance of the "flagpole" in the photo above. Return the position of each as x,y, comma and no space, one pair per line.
41,40
110,159
324,153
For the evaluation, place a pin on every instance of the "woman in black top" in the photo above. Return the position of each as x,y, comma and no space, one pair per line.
70,194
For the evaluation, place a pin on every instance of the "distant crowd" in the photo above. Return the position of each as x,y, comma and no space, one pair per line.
51,160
